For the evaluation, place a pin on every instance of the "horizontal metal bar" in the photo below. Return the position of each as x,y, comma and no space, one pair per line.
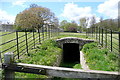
21,36
29,33
22,50
115,38
22,41
6,34
115,48
8,42
29,37
30,41
8,49
115,44
22,46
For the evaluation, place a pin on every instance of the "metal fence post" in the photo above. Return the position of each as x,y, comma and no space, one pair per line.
8,59
58,31
34,39
26,41
43,33
102,37
86,33
17,44
39,35
92,32
111,39
51,30
106,38
119,53
119,43
99,34
96,32
48,32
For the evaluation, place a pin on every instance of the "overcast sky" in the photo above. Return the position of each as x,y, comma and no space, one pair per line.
64,9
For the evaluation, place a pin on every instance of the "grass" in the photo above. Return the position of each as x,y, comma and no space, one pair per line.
107,41
99,58
45,54
21,41
67,34
71,65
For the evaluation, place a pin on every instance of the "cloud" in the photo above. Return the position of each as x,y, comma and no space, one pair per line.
5,17
73,12
19,3
109,8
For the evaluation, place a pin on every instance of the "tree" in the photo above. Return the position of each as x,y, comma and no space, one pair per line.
62,24
34,17
68,26
93,21
111,24
83,23
72,27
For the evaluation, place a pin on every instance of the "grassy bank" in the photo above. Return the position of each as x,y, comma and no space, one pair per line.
99,58
45,54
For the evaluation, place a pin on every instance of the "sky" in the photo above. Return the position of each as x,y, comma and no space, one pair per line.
70,10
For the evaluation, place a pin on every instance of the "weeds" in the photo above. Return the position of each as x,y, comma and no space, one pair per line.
99,58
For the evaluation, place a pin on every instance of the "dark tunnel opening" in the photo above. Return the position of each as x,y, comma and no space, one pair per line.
71,52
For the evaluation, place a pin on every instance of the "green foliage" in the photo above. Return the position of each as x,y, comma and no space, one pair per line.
109,24
67,26
100,59
70,27
89,46
71,65
34,17
45,54
77,66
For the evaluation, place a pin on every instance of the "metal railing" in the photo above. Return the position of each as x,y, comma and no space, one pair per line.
22,41
107,38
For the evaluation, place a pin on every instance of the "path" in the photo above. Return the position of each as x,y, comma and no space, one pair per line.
83,62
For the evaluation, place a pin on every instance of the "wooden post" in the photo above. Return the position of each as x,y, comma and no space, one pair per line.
8,59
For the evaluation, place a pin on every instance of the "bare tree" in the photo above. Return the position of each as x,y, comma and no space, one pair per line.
93,21
84,23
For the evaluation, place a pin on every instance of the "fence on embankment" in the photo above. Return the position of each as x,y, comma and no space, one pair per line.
20,42
26,40
107,38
